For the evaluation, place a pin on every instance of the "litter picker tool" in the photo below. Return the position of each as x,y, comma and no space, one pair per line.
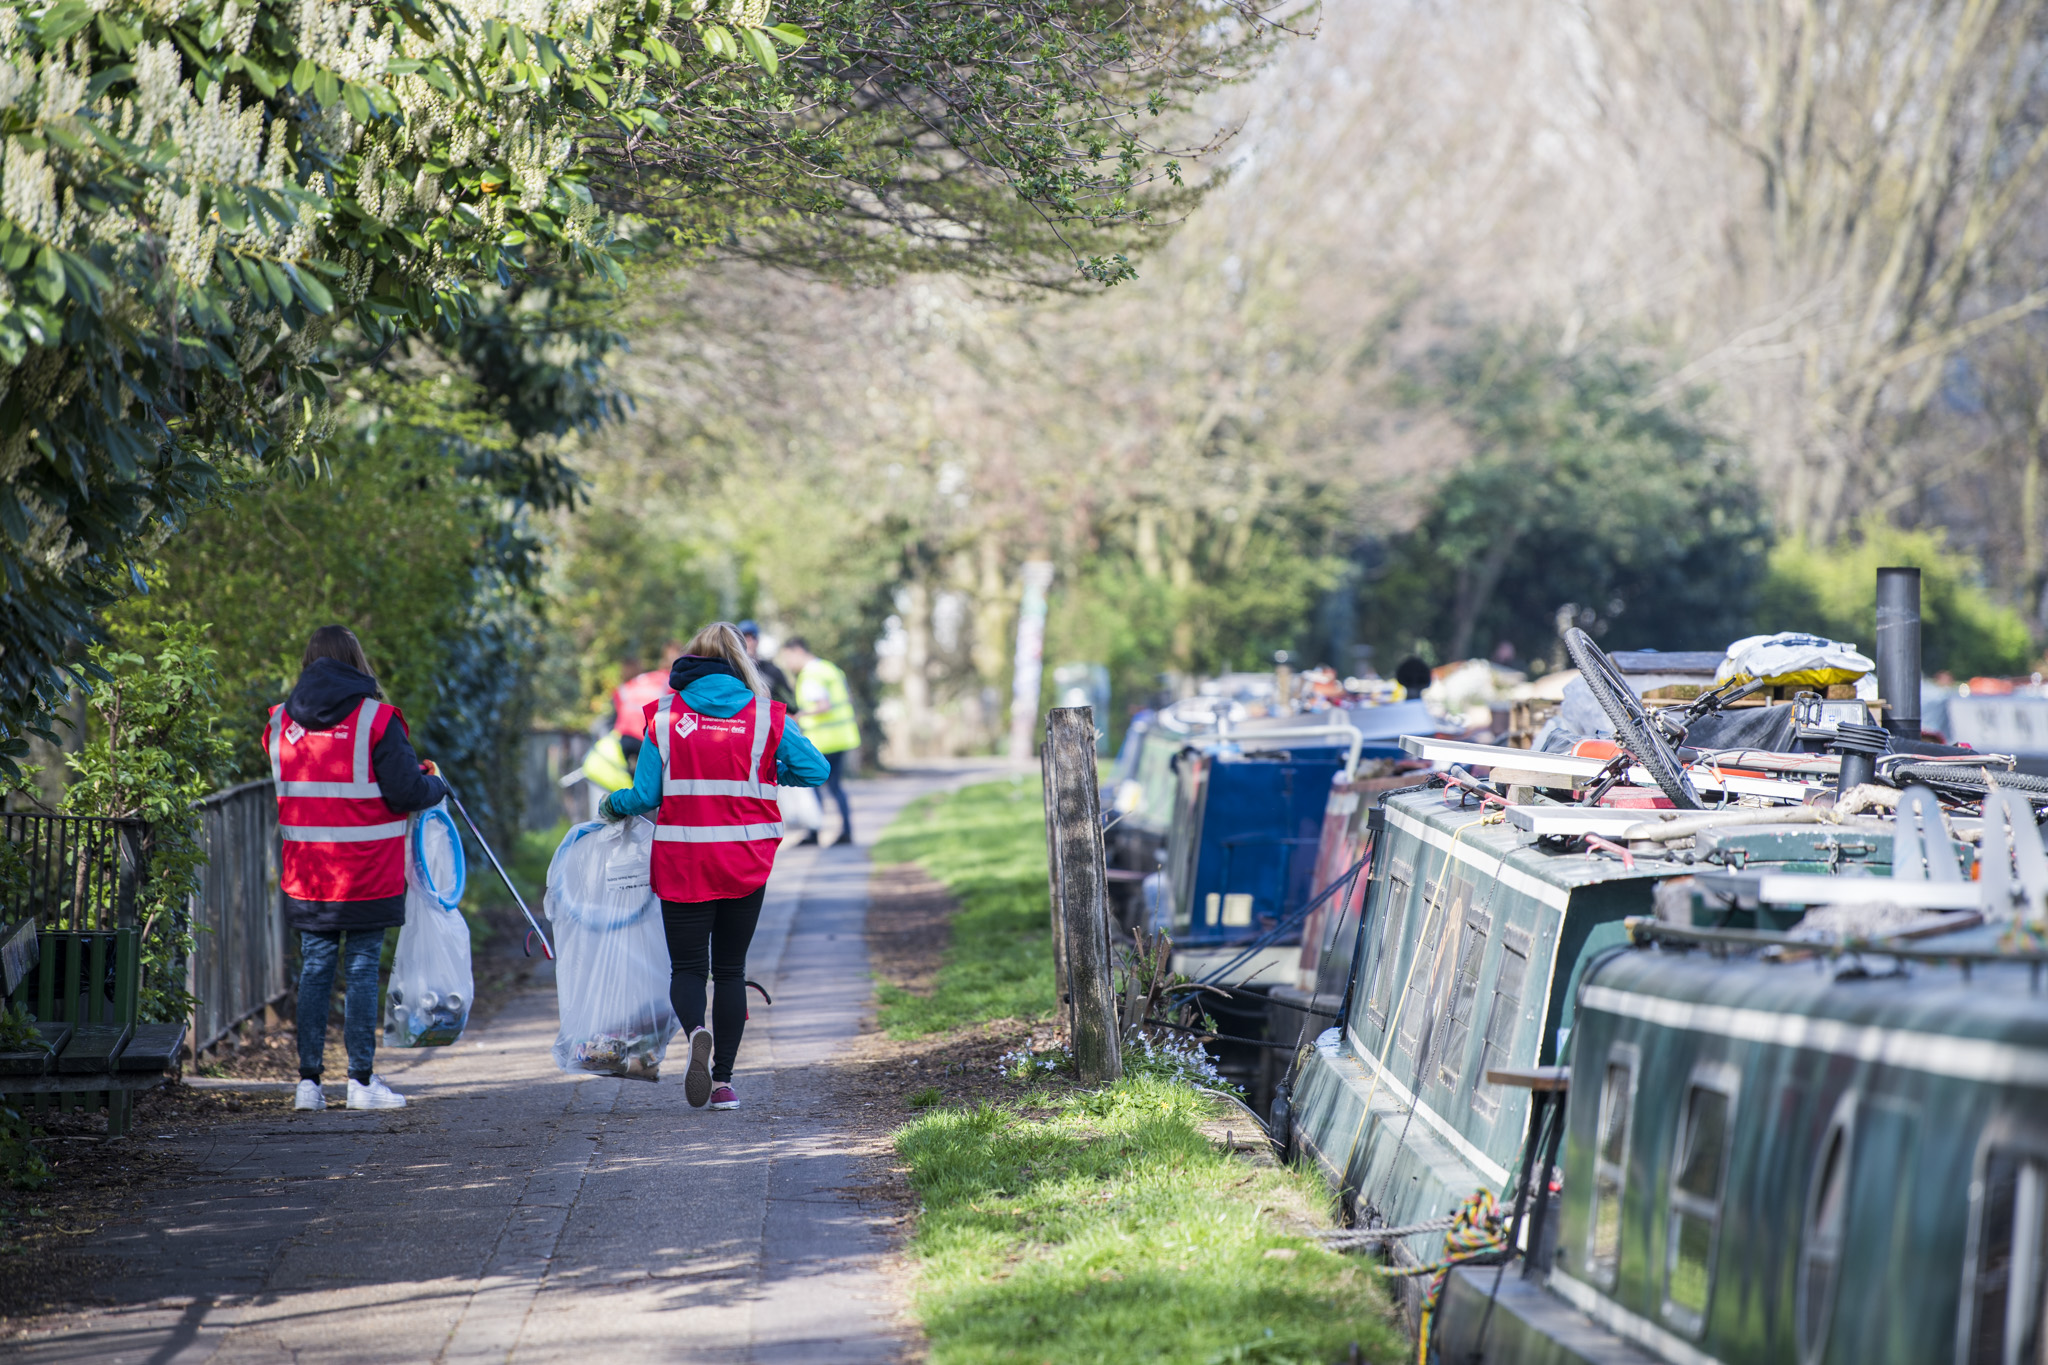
545,947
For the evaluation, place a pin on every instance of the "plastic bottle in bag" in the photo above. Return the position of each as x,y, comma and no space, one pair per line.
611,957
427,1004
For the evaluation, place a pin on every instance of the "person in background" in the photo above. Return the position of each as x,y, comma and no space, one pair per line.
1414,676
716,748
779,688
346,779
825,711
631,699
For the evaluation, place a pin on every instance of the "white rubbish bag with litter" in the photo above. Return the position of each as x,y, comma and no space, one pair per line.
1790,659
427,1004
611,957
801,808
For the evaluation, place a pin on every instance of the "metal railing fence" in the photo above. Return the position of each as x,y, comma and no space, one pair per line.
75,871
238,933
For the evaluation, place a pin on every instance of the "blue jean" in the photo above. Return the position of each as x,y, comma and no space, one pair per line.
359,1000
836,763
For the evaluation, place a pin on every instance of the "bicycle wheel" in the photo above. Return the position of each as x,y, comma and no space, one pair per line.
1633,728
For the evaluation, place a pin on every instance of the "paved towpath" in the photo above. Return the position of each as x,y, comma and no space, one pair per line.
515,1214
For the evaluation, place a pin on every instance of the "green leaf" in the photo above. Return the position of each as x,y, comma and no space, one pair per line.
61,21
761,48
303,75
358,103
260,78
280,287
789,35
326,87
85,271
49,278
252,275
312,290
116,34
718,42
103,79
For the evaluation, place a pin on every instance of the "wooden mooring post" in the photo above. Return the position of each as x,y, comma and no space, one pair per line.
1080,896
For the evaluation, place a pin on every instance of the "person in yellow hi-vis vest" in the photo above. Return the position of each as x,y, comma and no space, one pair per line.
824,711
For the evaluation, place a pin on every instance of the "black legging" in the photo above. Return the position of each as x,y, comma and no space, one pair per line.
708,940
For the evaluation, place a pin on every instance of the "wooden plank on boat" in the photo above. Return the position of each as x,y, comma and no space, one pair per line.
1544,1078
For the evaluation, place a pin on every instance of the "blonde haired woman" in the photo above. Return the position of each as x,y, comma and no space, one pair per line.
713,755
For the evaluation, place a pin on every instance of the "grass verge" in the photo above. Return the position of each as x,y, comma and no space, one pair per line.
1108,1227
986,845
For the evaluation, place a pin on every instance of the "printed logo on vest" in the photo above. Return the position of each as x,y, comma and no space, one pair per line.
295,732
686,724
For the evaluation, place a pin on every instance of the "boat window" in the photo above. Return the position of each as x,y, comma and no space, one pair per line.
1393,928
1464,998
1610,1164
1698,1171
1820,1251
1443,916
2012,1251
1500,1024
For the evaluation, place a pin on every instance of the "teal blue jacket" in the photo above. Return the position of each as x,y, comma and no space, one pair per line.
797,761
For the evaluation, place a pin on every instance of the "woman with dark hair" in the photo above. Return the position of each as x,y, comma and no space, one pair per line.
716,748
346,779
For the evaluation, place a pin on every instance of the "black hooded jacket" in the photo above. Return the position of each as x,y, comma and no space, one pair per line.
327,693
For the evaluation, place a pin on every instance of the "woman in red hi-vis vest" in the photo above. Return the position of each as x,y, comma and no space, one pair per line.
715,750
346,779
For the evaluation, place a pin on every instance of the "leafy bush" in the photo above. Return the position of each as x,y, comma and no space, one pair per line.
152,750
21,1163
1832,591
198,195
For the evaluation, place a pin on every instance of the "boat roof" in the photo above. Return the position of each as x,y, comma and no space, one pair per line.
1482,839
1872,1007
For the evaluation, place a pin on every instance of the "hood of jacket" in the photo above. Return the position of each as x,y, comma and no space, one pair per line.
327,692
710,686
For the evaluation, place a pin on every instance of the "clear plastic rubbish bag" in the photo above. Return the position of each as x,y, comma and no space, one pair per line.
611,957
801,808
431,989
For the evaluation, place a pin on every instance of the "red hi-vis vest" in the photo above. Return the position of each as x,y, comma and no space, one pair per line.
719,825
341,842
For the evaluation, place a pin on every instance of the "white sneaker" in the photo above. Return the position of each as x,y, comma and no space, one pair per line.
375,1095
310,1096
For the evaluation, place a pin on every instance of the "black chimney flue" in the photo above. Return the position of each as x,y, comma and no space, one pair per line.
1898,649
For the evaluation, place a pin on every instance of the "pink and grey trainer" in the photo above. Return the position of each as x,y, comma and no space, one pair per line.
697,1078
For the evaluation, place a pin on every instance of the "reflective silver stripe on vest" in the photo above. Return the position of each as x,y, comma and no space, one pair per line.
717,834
718,786
342,834
366,719
355,791
364,787
712,786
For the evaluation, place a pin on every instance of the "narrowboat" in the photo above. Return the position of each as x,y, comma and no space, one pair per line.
1803,1146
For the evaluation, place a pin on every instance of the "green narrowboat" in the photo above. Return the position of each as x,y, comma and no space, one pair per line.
1773,1154
1476,928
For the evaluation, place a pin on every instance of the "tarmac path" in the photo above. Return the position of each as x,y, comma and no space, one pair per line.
516,1214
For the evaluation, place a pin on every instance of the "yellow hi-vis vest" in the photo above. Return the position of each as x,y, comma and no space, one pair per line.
822,687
